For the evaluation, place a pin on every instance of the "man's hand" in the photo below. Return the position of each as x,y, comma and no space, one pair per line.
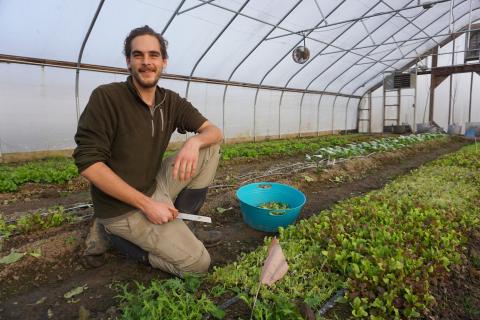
185,164
159,212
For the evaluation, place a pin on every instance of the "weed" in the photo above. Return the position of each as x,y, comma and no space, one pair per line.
470,308
70,240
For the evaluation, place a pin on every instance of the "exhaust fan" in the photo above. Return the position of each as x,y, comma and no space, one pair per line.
301,53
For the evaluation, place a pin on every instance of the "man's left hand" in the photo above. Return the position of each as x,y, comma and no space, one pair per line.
185,164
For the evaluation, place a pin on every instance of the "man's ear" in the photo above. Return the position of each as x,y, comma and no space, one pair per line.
128,63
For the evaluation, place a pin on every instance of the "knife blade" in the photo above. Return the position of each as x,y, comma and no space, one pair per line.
194,217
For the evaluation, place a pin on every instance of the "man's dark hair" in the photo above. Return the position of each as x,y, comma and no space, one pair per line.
145,30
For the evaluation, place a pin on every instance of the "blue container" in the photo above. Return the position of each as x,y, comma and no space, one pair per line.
255,194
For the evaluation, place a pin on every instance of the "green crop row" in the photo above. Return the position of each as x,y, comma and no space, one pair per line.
367,147
384,248
288,147
54,217
53,170
60,170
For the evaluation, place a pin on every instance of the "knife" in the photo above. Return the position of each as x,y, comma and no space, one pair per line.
194,217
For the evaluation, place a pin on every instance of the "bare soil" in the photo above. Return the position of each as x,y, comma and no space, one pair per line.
34,288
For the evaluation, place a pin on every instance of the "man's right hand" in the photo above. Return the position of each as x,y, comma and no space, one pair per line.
109,182
159,212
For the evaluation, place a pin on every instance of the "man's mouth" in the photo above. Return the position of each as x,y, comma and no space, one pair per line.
146,71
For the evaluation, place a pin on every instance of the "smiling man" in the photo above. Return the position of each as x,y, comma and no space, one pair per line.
121,138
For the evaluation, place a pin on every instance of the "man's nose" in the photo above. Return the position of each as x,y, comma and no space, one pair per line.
147,59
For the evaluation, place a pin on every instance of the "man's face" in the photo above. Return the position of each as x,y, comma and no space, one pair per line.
146,62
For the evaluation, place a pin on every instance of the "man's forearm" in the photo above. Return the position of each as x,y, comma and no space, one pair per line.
109,182
208,135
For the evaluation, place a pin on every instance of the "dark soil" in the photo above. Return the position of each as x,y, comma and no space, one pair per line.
34,288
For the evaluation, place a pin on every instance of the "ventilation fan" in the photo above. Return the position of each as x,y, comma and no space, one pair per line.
301,53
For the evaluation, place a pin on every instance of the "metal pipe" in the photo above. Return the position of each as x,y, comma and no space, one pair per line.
450,18
414,124
211,45
469,24
77,75
368,32
346,115
194,7
172,17
321,12
470,99
355,19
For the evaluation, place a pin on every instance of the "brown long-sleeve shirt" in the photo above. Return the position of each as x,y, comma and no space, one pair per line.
120,130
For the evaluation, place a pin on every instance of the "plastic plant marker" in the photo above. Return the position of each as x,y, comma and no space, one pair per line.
275,266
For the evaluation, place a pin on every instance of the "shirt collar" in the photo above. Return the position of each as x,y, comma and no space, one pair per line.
160,93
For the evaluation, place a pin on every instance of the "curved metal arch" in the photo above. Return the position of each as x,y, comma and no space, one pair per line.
79,61
212,44
175,13
441,30
281,59
333,113
246,57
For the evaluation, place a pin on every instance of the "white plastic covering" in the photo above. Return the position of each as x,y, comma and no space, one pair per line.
352,44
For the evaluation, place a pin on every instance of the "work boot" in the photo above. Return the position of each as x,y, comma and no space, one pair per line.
190,201
96,244
209,238
129,249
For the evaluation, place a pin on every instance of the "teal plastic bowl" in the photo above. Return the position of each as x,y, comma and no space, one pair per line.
253,195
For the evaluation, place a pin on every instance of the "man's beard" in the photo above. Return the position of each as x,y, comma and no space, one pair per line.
145,83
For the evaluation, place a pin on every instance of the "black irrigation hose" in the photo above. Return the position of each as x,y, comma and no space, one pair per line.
329,304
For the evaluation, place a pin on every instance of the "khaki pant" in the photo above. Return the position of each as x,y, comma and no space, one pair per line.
172,247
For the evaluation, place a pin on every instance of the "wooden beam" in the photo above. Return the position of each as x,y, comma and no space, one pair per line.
446,71
436,80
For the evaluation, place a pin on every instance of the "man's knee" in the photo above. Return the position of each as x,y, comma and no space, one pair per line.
215,148
212,152
201,265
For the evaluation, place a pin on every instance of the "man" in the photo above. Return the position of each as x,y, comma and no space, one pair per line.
121,138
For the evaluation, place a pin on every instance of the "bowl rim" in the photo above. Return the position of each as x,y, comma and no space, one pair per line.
304,200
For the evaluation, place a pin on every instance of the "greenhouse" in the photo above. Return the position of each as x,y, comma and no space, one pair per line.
346,185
